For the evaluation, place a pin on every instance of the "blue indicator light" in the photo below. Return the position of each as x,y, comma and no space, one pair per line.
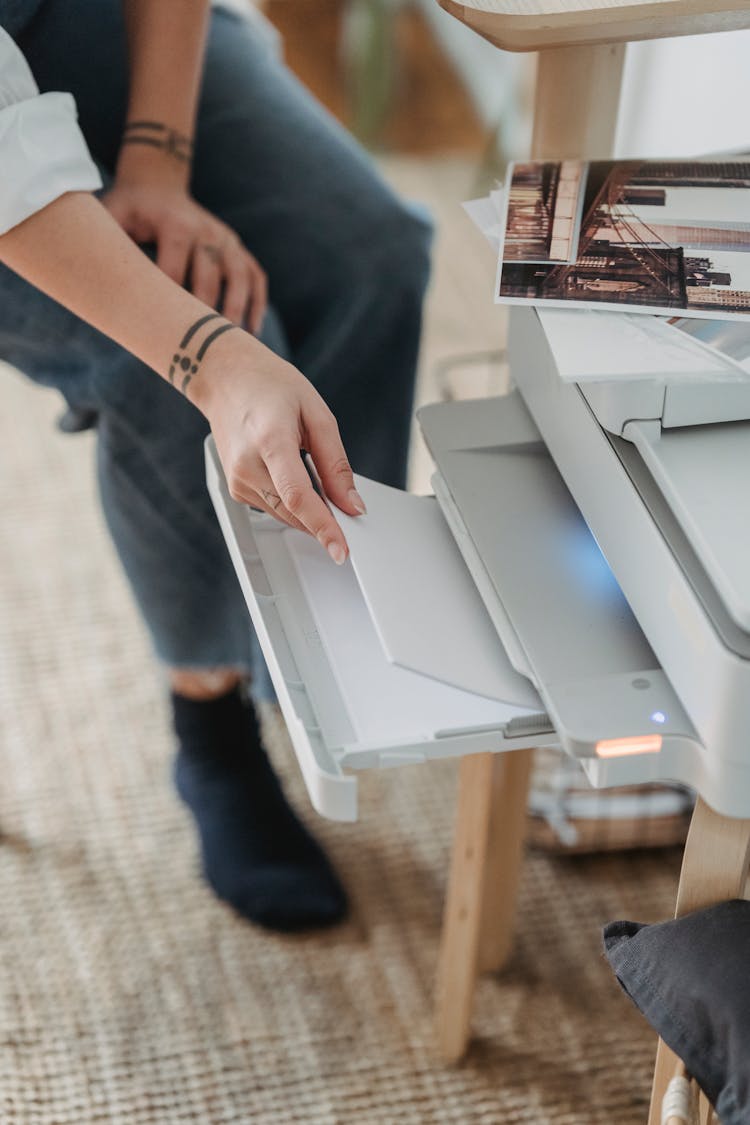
658,717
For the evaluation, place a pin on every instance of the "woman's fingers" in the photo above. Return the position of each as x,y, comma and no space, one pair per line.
332,464
266,500
173,253
263,412
258,296
295,491
238,287
258,490
206,271
245,288
246,293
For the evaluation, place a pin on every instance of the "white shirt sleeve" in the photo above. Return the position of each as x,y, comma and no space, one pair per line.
42,150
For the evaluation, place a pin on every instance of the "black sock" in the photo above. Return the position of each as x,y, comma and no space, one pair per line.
257,855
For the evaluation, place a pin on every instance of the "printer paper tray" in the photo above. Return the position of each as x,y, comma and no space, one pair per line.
668,591
346,706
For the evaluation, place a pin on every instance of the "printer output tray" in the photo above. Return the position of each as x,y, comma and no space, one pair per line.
632,496
546,585
348,706
703,473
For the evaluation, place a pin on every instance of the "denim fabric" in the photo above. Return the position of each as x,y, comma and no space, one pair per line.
347,266
15,15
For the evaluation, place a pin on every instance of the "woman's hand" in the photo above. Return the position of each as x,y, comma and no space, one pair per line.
191,242
261,409
263,413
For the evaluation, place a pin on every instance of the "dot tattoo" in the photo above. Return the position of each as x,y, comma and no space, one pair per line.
185,362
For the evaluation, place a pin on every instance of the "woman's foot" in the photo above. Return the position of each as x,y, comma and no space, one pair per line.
257,855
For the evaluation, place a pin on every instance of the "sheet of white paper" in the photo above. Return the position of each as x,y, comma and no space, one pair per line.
386,704
593,346
422,599
487,216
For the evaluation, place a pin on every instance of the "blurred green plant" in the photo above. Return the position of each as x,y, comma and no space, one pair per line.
371,65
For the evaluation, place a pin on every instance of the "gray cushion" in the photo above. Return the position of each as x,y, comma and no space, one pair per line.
691,980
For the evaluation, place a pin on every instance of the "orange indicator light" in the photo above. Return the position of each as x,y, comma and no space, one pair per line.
619,747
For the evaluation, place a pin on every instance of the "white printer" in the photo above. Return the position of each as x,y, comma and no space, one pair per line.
580,578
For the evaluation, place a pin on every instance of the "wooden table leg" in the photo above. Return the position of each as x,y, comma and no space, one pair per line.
482,886
705,1112
575,116
714,869
576,102
502,870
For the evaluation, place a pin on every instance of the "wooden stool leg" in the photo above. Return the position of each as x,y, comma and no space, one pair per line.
705,1113
487,813
575,116
714,869
459,943
502,870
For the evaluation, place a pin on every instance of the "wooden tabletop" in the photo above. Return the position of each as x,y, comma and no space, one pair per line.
533,25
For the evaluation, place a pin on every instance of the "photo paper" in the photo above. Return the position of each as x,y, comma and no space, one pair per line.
640,236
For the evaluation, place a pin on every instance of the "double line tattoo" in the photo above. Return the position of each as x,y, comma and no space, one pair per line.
185,365
159,135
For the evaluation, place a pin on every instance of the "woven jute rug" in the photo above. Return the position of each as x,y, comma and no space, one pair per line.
128,994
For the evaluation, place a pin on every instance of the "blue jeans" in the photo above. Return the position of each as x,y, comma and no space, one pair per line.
347,265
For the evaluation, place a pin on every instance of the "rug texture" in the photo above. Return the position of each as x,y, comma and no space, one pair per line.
129,995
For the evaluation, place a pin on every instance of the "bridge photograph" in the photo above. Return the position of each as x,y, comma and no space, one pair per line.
671,235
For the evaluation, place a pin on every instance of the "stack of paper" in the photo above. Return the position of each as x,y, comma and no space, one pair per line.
606,347
594,246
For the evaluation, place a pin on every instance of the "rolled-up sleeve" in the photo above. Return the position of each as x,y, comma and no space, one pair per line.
42,150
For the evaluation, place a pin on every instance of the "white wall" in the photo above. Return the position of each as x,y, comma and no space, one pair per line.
681,97
687,96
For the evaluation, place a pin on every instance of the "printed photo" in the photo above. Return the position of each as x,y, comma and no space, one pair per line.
650,235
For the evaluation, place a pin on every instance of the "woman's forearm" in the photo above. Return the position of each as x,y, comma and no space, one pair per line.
74,251
261,410
166,42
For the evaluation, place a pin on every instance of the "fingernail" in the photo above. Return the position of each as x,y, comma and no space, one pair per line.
357,502
337,553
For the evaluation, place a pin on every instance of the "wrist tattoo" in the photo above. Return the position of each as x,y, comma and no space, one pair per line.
161,136
186,360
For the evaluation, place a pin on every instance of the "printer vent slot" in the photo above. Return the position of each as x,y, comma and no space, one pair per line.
524,726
